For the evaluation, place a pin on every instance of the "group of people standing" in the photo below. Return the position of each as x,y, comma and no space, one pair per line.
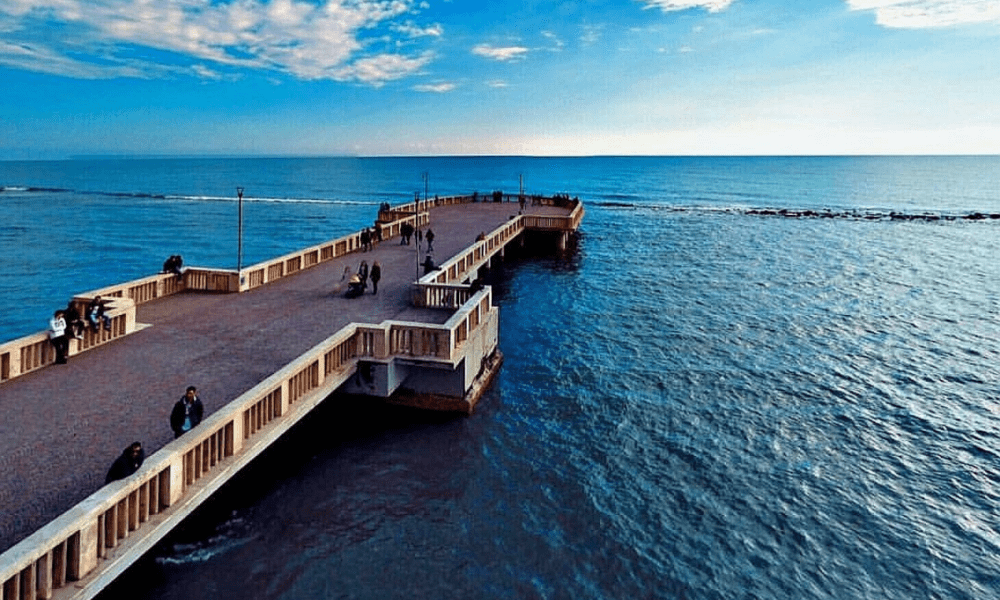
68,323
371,236
357,283
406,231
186,414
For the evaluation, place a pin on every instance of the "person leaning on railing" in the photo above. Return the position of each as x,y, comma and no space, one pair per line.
127,463
57,335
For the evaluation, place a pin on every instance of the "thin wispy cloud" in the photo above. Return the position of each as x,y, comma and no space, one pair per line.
438,88
503,54
305,40
377,70
675,5
412,30
591,34
924,14
556,43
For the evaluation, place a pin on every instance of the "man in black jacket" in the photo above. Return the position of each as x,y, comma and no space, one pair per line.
128,463
187,412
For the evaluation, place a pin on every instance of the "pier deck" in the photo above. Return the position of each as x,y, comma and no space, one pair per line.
65,424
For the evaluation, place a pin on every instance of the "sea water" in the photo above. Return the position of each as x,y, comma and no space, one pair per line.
752,378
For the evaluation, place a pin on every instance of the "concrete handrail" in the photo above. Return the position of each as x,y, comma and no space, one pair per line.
70,547
271,270
32,352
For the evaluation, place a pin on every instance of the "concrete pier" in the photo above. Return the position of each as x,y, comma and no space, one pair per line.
263,346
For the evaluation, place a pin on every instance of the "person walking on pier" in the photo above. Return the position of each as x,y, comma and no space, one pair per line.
363,274
376,274
128,463
187,413
58,337
430,239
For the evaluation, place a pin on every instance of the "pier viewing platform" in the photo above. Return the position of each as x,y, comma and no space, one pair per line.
264,345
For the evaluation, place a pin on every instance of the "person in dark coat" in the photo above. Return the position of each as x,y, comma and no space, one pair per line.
128,463
375,275
363,274
96,316
428,264
74,321
187,413
430,240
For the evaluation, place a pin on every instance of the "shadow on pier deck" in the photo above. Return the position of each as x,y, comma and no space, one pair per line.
261,360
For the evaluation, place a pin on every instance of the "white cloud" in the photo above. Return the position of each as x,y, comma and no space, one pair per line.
557,44
674,5
377,70
591,33
307,40
439,88
502,54
920,14
497,83
414,31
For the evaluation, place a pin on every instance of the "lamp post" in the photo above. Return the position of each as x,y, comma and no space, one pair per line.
417,219
239,242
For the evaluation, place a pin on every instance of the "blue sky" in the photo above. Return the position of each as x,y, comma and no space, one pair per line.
529,77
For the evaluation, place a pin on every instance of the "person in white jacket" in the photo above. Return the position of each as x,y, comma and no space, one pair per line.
57,335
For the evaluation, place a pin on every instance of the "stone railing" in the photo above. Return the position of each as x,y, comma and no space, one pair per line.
555,223
32,352
464,264
271,270
107,526
175,479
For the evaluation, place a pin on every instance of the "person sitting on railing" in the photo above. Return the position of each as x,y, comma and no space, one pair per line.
96,316
187,413
174,265
128,463
57,336
74,321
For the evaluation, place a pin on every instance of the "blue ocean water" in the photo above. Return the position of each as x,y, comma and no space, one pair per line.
754,378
